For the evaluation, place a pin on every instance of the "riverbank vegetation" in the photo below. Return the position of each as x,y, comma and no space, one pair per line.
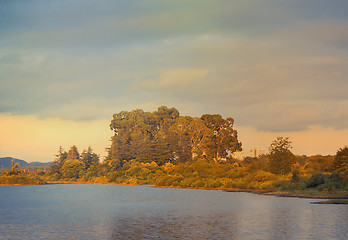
165,149
17,176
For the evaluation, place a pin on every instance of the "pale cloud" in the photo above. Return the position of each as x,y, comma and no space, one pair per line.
259,84
248,80
173,79
323,32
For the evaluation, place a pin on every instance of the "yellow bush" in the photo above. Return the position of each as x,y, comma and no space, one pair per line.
100,180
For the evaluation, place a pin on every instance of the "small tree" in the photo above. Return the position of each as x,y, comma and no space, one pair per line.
281,158
15,168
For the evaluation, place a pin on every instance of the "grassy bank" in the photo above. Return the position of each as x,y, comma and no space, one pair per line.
307,193
333,201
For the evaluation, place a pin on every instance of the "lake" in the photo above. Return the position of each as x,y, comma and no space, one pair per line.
83,211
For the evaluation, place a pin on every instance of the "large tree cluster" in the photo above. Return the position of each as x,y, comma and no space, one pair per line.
165,136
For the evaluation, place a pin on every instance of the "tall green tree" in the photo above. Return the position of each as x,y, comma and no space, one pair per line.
179,139
281,157
201,138
59,160
143,136
132,131
88,157
73,153
223,138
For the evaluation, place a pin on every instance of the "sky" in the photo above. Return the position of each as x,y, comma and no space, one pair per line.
278,67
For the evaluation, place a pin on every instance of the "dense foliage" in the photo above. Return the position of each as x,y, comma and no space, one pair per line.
165,136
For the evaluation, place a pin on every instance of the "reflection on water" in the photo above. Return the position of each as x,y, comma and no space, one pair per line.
280,224
150,226
143,212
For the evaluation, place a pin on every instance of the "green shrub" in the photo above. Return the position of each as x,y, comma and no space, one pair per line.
315,180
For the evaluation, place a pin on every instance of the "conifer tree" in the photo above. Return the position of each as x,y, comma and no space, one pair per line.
59,161
89,158
73,153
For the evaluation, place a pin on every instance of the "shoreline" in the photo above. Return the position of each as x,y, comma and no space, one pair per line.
269,192
278,193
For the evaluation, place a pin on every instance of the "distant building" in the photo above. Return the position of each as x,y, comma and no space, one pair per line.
255,153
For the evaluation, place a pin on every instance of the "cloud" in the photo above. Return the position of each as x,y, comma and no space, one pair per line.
87,24
277,66
259,83
173,79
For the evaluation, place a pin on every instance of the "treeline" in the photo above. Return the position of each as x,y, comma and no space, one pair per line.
322,175
318,174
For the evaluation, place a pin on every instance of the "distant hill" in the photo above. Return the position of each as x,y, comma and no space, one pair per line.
6,162
39,164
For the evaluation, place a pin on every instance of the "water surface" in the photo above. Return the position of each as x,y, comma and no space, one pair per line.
63,211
